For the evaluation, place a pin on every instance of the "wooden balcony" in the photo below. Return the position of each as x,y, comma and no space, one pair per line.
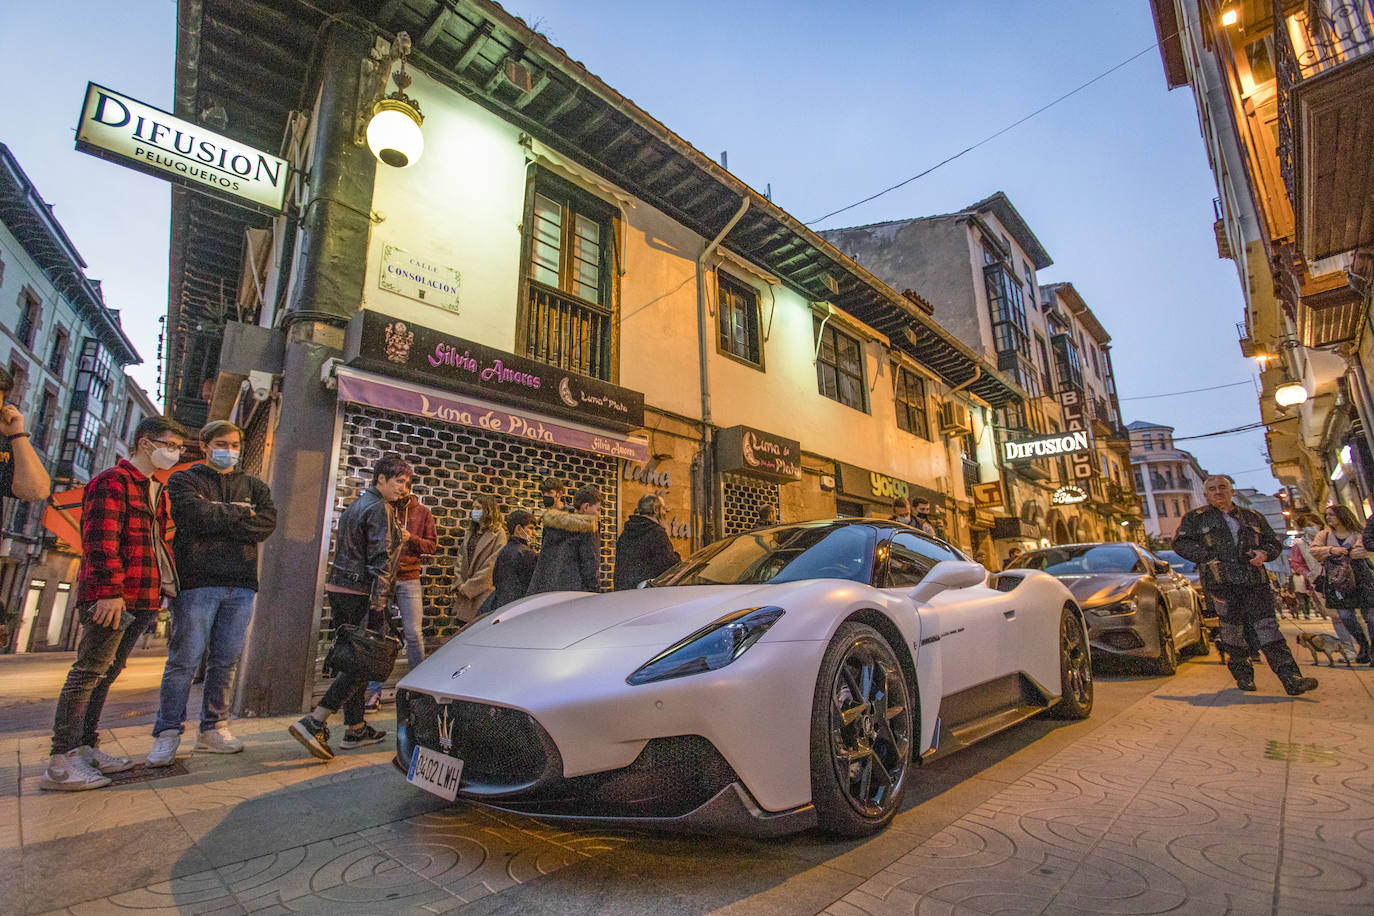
567,332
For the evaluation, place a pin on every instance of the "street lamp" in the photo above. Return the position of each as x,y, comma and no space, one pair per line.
1290,394
393,131
1230,16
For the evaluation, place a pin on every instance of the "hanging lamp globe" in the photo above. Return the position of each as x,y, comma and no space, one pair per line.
1290,394
393,132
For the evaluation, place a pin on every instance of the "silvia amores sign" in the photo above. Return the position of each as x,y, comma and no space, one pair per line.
388,345
114,126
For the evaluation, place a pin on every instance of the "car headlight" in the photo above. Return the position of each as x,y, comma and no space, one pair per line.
713,646
1115,609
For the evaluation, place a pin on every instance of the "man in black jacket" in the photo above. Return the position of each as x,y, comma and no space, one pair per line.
221,515
510,577
643,549
569,556
1230,544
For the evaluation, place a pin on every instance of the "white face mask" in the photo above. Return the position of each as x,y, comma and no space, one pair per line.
165,458
476,515
1310,531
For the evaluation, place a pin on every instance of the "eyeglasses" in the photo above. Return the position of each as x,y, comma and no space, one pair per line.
171,445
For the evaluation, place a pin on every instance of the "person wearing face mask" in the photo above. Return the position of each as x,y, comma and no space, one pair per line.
221,515
515,563
485,538
1305,566
643,549
126,571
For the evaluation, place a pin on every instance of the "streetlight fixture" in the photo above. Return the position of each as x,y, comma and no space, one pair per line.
1230,16
393,132
1290,394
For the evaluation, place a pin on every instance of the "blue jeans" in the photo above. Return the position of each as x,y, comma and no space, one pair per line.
410,599
214,620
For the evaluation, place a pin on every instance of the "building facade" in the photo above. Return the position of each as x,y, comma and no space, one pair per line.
66,352
1285,99
558,286
978,267
1167,478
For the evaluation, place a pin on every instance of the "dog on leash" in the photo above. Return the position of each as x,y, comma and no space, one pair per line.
1325,644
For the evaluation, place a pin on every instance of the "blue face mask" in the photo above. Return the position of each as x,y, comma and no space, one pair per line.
223,458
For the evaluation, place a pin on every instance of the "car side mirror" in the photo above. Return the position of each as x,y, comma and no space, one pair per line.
948,574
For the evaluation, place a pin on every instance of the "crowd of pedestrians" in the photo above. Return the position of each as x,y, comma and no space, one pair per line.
193,544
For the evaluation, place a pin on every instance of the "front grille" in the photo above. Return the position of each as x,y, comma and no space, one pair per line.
502,749
1122,640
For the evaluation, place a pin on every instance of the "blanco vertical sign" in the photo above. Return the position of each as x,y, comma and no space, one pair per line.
114,126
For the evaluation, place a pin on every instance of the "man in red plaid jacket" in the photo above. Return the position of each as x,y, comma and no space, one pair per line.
126,570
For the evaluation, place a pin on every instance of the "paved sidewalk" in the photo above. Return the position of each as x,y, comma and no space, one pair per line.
1179,795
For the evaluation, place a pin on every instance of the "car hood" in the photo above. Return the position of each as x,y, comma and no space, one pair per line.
1100,588
655,617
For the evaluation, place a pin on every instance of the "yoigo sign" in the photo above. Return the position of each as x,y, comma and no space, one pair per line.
114,126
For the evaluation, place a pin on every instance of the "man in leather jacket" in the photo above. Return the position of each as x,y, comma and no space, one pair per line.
361,574
1230,544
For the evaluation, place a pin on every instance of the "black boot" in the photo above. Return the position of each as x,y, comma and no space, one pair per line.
1286,667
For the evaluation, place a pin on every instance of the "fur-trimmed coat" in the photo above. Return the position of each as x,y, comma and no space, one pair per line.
570,555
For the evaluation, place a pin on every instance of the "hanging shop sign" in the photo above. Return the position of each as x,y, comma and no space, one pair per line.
987,495
390,346
135,134
1047,446
433,404
418,278
743,450
874,486
1071,403
1069,495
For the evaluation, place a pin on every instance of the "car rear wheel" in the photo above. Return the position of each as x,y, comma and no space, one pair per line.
861,731
1202,647
1167,662
1075,670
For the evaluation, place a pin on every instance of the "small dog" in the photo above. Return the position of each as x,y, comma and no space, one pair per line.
1325,644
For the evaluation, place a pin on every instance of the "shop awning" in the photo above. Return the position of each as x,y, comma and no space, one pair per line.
433,404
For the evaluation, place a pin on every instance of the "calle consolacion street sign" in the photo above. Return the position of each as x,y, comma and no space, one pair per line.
114,126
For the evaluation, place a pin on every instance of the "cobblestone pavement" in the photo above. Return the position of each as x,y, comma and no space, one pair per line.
1179,795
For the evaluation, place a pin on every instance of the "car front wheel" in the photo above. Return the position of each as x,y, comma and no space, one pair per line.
861,733
1075,670
1167,662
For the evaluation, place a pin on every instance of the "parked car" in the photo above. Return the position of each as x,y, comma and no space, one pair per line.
772,681
1136,605
1188,569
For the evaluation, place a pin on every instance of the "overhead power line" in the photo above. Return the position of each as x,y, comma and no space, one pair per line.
988,139
1234,430
1174,394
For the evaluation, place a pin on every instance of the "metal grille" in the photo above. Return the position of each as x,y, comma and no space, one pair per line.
741,500
499,747
568,332
453,465
255,442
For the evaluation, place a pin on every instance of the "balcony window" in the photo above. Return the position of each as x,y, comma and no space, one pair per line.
1068,362
566,319
42,428
910,394
1007,309
840,367
57,359
738,320
29,308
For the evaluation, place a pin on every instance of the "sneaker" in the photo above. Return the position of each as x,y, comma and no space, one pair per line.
70,772
314,735
106,763
361,737
1299,685
373,702
165,744
218,740
1248,685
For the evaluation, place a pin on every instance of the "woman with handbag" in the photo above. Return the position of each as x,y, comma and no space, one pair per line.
1349,587
1306,567
485,538
361,573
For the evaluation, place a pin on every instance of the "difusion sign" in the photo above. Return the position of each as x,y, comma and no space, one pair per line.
1046,446
114,126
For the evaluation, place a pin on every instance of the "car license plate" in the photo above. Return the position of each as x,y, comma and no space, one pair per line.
435,772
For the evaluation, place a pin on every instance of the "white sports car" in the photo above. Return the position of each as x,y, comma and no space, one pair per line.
773,681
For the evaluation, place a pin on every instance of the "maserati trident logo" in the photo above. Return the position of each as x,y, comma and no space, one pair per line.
459,672
445,731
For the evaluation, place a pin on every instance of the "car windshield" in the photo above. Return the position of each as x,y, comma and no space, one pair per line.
785,553
1082,559
1176,561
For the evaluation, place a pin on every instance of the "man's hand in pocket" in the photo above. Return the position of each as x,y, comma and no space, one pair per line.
108,612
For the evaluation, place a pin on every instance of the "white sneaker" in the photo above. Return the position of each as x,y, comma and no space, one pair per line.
164,750
106,763
218,740
70,772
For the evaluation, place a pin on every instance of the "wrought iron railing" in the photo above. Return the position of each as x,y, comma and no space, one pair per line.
1320,35
971,473
568,332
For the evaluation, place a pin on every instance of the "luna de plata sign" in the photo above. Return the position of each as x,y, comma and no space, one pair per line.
133,133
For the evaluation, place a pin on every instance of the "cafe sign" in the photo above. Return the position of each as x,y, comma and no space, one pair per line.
428,356
1069,495
744,450
148,139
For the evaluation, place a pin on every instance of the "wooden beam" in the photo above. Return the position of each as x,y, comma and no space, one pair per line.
436,25
473,46
564,105
539,86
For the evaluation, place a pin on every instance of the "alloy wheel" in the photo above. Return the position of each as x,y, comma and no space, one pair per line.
870,728
1078,671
